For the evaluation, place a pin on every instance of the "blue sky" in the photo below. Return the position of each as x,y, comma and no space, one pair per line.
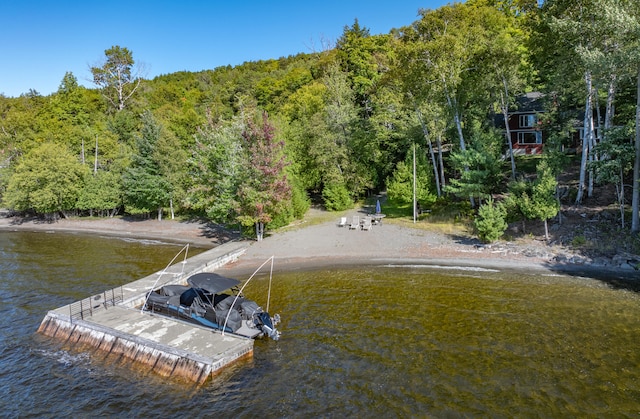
42,40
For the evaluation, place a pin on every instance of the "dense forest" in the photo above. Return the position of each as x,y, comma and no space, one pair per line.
256,144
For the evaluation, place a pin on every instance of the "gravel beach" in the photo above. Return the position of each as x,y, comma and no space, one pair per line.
314,245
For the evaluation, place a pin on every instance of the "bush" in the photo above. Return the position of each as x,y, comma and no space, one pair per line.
299,201
336,197
579,241
490,223
295,208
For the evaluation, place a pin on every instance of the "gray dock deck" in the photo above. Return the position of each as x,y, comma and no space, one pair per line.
113,322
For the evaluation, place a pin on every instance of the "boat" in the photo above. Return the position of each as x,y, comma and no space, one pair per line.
213,301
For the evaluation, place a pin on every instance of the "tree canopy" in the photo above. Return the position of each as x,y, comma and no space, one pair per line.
252,144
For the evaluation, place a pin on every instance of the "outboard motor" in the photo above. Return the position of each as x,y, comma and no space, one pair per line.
263,322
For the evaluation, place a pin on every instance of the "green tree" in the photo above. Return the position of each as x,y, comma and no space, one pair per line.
117,76
596,35
545,203
490,222
333,153
47,180
616,162
172,159
302,128
400,184
101,194
536,200
480,166
365,59
218,168
145,187
440,50
265,189
504,68
336,197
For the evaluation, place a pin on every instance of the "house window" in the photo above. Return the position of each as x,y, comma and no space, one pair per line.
527,121
529,137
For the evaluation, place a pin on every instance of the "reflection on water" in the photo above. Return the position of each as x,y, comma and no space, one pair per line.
383,341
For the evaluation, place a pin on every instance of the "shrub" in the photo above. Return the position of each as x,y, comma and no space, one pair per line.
336,197
490,223
579,241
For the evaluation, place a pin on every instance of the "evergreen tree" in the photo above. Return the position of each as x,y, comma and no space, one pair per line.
480,167
490,222
536,200
400,184
145,187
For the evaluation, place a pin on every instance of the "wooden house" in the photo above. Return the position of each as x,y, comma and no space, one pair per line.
524,125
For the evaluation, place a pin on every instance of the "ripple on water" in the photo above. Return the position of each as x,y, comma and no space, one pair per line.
385,341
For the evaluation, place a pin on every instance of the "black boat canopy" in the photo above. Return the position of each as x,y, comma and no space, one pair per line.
187,297
211,282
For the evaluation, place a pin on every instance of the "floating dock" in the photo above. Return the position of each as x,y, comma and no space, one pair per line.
114,323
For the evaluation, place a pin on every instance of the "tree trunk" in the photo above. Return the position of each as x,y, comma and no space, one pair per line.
620,192
425,132
259,230
546,230
160,214
635,202
458,122
585,139
611,93
504,104
440,160
95,159
592,156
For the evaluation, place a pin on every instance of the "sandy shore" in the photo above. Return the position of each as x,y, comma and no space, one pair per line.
325,244
198,233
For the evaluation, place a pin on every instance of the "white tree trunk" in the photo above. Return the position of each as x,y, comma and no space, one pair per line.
259,231
586,140
635,202
592,156
425,132
611,93
463,147
440,160
504,104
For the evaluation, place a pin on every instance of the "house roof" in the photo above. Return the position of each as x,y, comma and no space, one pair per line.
529,102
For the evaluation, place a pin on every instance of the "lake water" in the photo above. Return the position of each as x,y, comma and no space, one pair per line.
367,342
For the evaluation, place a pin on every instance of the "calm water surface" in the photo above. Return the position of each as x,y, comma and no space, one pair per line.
368,342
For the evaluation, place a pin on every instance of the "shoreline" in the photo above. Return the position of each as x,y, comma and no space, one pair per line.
325,245
198,233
